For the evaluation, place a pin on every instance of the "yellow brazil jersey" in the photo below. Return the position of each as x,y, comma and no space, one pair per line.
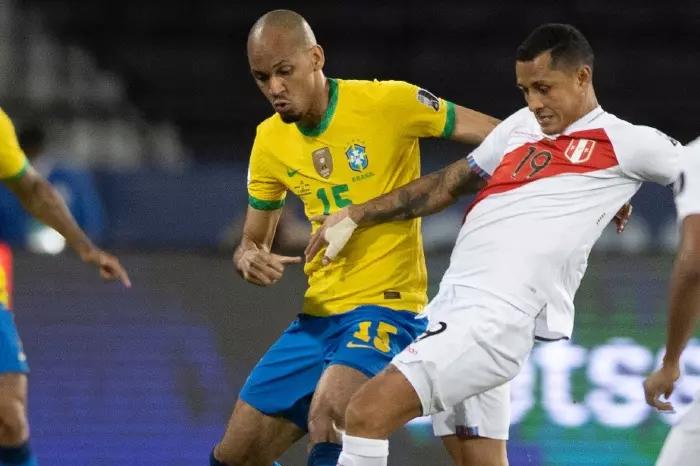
365,145
13,163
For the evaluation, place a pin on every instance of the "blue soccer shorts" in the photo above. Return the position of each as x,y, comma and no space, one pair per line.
12,357
366,338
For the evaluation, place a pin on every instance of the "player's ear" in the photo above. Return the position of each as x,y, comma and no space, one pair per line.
584,75
318,58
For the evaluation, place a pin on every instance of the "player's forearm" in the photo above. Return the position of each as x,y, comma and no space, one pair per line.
684,306
471,127
44,203
424,196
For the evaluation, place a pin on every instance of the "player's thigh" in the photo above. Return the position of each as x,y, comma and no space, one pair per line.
682,445
253,438
333,392
472,345
476,451
382,405
476,429
284,380
13,382
13,418
365,344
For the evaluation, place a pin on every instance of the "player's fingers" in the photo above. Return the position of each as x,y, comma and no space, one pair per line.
269,271
318,218
664,406
315,244
119,273
256,278
288,259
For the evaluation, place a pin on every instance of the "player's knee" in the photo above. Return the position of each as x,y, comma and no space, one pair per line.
360,417
322,428
14,428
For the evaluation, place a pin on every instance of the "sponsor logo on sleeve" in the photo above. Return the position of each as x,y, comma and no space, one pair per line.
428,99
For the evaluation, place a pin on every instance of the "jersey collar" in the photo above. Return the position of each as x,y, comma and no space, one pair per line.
580,123
327,116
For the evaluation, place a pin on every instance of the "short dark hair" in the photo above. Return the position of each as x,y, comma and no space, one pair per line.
564,42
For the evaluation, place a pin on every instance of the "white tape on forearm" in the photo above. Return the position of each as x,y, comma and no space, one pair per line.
338,235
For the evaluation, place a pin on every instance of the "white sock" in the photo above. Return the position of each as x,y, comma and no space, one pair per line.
358,451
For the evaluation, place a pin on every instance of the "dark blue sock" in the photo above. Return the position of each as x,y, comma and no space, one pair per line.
324,454
17,456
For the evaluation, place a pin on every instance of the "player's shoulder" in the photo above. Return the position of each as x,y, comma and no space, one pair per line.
626,135
521,120
375,89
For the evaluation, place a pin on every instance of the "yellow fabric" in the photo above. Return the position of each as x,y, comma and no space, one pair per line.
12,159
377,122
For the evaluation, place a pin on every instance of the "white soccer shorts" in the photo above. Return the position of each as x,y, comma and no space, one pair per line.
682,446
460,368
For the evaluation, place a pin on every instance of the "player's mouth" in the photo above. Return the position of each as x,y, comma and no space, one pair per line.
545,120
281,106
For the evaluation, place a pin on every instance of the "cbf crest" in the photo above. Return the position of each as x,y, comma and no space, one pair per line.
323,162
357,157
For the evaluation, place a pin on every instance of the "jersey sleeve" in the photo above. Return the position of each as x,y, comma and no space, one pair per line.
646,154
13,163
687,188
420,113
488,155
265,191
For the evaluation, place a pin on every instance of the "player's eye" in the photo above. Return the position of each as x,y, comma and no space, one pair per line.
285,71
543,89
261,77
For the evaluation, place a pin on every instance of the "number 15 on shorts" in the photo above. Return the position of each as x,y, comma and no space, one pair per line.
380,342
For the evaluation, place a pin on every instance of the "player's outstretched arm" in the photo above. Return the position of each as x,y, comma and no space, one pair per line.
43,202
472,127
252,258
682,315
424,196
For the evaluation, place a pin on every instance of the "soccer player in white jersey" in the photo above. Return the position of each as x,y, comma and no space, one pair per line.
550,177
682,446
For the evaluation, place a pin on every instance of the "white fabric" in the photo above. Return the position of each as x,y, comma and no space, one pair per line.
475,342
529,243
484,415
358,451
687,188
682,446
338,235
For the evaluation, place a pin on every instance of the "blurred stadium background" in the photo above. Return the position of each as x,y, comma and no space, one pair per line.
143,113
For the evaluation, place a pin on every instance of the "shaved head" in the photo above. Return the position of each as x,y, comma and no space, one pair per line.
282,24
287,65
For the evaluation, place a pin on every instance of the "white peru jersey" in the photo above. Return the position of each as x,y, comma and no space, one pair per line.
528,234
687,188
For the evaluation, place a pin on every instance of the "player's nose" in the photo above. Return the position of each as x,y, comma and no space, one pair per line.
276,86
534,103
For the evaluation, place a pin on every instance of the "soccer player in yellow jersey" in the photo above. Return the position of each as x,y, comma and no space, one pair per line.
332,143
41,200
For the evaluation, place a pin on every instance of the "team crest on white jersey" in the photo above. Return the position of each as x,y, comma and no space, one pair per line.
579,150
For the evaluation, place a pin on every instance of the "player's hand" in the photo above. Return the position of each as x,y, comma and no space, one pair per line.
108,265
622,217
335,231
660,383
261,267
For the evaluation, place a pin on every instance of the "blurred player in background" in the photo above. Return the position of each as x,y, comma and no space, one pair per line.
556,173
682,446
43,202
332,143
